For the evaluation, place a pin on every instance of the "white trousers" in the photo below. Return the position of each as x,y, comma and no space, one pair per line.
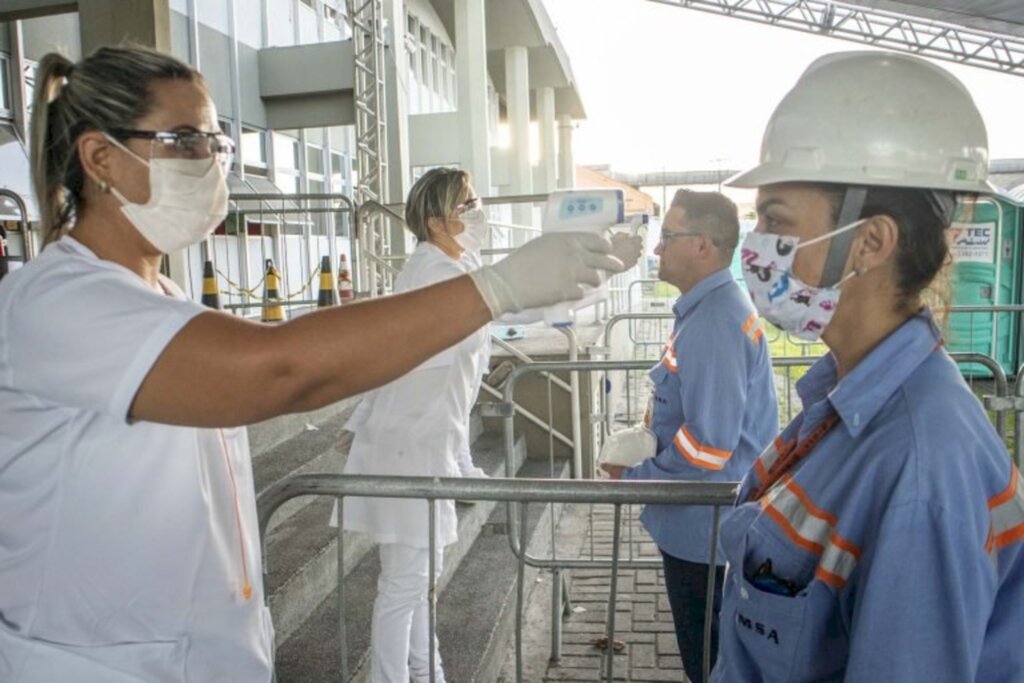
399,648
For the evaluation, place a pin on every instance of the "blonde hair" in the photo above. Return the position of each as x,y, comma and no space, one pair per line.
111,88
435,195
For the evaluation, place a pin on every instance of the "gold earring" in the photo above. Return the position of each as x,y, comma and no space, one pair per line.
104,186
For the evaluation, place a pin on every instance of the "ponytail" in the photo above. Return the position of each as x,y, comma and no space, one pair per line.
49,152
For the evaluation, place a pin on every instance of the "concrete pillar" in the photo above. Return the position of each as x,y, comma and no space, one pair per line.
566,162
517,98
109,22
471,70
548,148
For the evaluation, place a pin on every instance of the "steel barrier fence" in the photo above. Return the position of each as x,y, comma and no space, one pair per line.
519,493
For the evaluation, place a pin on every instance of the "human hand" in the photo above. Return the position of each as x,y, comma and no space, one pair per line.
613,471
546,271
627,248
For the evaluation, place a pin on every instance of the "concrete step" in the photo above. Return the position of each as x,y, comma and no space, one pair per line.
476,614
301,549
320,447
264,436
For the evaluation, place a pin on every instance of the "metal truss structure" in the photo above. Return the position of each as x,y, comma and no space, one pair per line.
889,30
367,23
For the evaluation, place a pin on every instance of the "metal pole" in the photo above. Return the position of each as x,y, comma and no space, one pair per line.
432,584
709,607
574,408
520,584
556,613
612,595
343,669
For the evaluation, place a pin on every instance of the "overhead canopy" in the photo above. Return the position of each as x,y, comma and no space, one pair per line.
992,16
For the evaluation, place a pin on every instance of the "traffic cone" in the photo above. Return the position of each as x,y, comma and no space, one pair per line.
346,293
271,289
327,296
211,292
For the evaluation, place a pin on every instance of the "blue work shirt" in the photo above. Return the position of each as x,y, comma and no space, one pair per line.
713,408
897,536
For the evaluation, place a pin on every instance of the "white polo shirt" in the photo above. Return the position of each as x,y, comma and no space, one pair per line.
123,547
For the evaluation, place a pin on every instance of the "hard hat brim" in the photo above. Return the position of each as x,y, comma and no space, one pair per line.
771,174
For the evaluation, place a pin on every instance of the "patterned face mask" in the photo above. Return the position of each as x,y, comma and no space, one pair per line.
779,296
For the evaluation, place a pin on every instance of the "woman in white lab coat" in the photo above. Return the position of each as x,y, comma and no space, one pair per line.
129,549
418,425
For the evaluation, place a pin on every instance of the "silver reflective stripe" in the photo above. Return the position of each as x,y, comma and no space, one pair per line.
813,530
1007,515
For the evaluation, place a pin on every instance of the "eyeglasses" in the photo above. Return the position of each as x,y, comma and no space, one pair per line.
184,144
667,237
469,205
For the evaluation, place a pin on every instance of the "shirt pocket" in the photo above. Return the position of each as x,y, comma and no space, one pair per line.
769,627
793,638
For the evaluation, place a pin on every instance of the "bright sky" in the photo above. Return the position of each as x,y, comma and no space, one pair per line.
673,88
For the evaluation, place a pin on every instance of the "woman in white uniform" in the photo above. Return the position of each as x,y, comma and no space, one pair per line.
128,535
418,425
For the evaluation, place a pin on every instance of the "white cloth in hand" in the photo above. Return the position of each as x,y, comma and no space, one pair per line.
629,447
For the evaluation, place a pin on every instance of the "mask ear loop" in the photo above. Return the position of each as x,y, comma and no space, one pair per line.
839,250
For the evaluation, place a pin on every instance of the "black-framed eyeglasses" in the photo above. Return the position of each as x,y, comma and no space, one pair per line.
182,144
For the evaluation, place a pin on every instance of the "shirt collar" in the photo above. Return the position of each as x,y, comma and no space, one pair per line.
687,302
863,392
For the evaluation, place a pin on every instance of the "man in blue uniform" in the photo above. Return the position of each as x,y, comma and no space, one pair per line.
713,408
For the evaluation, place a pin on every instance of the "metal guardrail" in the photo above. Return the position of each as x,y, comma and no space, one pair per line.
513,491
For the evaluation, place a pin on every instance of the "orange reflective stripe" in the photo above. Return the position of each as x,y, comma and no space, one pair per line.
753,328
812,529
699,454
1006,513
759,468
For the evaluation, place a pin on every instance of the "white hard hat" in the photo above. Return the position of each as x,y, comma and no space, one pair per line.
875,118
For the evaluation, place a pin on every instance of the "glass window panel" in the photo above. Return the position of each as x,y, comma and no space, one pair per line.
314,159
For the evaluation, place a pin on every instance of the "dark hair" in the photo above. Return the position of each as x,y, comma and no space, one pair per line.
111,88
921,250
712,214
434,195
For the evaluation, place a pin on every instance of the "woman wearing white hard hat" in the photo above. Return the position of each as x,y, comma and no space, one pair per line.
128,539
878,539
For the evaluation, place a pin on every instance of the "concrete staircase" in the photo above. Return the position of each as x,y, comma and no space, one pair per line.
476,612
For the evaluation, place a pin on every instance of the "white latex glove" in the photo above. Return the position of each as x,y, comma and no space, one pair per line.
629,447
627,248
545,271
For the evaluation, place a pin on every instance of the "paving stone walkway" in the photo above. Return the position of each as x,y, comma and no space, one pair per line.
643,620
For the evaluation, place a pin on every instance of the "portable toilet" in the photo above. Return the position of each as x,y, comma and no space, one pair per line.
985,241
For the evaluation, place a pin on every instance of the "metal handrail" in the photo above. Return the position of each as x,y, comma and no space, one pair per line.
512,491
531,417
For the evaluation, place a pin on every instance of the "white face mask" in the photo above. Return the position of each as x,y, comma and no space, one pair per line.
188,199
779,296
474,236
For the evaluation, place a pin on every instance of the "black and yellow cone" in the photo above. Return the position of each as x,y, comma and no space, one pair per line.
273,312
211,292
327,296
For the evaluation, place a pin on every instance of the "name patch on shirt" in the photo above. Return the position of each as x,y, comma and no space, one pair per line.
757,627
